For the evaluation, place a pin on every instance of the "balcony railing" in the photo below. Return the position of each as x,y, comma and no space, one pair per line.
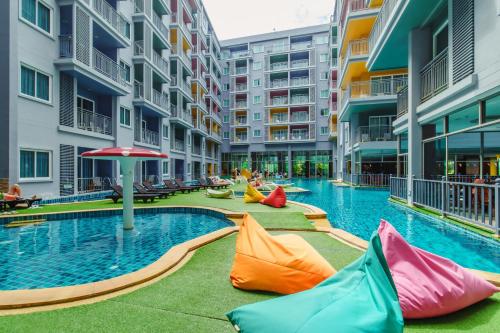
279,65
434,77
158,23
381,21
334,62
66,46
299,81
179,52
279,119
241,87
351,6
112,17
139,48
375,133
108,67
178,112
299,99
150,137
240,138
160,99
94,122
160,62
279,83
300,135
300,46
240,121
241,70
240,54
178,145
373,88
299,63
402,106
300,117
281,100
240,104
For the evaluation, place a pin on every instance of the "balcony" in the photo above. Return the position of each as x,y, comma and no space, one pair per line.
158,23
241,70
374,133
178,145
280,100
402,107
355,49
115,20
183,85
300,99
241,87
299,63
434,77
181,115
289,47
239,138
381,22
150,137
351,7
240,105
280,118
94,122
239,54
281,83
301,135
157,98
160,62
185,58
104,70
240,121
279,66
299,81
300,117
278,136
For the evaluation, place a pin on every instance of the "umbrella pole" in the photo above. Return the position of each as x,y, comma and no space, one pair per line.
128,193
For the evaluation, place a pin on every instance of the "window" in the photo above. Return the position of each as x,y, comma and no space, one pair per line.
226,135
257,99
225,118
35,84
324,130
324,93
225,87
440,39
37,14
323,57
125,73
323,76
258,48
165,132
324,112
321,40
226,70
225,103
124,116
256,82
189,140
34,164
256,133
256,116
257,65
165,168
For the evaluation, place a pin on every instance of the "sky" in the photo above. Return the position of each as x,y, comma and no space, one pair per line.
238,18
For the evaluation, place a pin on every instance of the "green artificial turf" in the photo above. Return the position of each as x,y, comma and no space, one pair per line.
283,220
196,297
193,199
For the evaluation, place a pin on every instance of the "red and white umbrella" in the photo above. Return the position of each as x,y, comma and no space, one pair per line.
127,158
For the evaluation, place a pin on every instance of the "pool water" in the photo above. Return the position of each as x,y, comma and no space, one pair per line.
72,252
359,211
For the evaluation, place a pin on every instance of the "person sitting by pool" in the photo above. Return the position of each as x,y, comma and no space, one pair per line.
13,194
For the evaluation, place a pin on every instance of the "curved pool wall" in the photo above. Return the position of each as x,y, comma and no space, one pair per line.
358,211
82,249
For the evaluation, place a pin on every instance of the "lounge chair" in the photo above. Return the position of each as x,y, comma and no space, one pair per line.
142,190
180,183
12,204
170,185
220,184
149,186
118,194
227,194
203,182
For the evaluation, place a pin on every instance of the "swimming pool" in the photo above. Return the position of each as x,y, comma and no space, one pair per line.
359,211
78,251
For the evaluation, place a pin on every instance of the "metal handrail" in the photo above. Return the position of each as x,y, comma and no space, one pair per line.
434,76
381,22
108,67
94,122
111,16
402,102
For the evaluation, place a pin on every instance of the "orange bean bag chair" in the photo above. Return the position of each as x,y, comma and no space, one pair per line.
283,264
276,198
252,195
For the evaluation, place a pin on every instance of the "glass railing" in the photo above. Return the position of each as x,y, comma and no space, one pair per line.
299,81
279,65
240,104
282,100
279,83
375,133
299,99
241,70
299,63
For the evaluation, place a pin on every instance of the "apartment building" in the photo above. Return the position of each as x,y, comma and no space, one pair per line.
448,115
277,103
87,74
368,96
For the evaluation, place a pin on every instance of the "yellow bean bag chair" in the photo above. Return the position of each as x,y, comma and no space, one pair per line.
283,264
245,173
252,195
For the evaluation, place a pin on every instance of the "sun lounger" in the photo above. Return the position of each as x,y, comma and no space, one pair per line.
170,185
152,189
118,194
12,204
227,194
205,184
220,184
142,190
180,183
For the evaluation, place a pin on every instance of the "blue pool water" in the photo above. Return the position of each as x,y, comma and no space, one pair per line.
71,252
359,211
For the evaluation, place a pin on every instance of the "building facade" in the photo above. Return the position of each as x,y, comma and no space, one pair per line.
87,74
445,118
277,103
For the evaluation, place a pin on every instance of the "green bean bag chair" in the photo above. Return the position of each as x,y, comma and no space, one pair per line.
360,298
227,194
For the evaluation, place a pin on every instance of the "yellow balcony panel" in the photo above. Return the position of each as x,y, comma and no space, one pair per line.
173,36
375,3
278,110
357,29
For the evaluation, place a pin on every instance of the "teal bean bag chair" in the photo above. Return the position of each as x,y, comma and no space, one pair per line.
360,298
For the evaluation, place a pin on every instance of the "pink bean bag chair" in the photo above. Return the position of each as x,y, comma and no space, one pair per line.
276,198
429,285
